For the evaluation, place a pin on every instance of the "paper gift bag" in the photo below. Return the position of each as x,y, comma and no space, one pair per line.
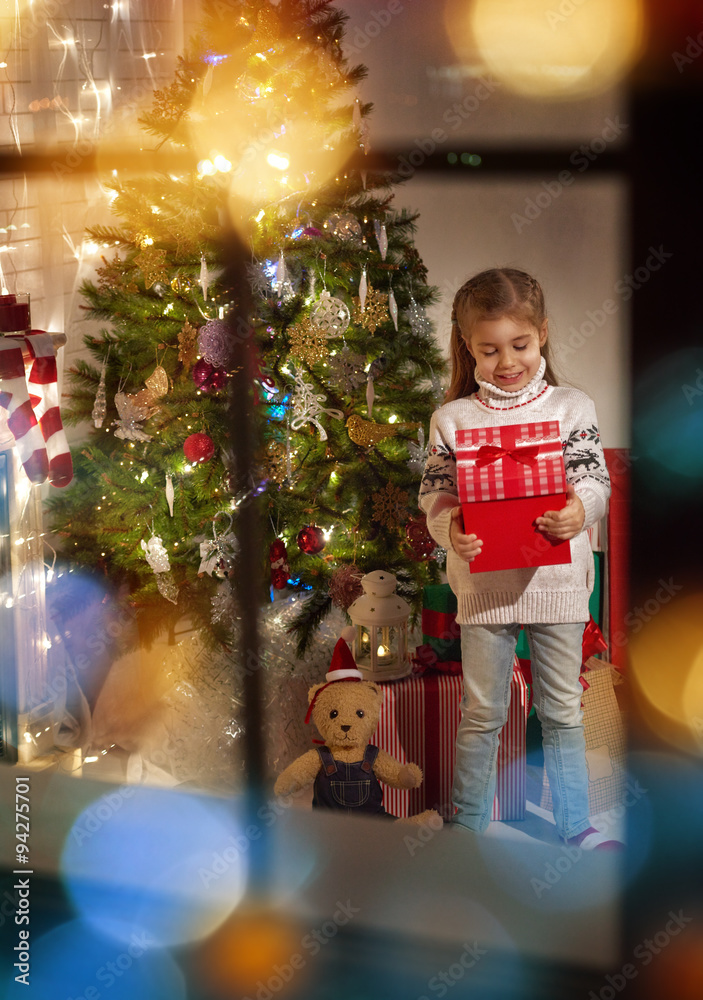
605,740
507,477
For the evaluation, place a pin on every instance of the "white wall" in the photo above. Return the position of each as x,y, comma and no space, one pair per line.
574,248
575,243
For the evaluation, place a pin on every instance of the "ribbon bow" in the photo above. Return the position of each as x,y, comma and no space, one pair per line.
527,454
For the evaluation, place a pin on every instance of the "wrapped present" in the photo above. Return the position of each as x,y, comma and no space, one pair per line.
605,739
507,477
439,628
419,721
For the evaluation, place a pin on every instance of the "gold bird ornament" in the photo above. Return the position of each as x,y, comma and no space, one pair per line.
368,432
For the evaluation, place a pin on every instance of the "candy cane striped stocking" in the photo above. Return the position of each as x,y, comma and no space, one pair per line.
21,419
43,377
41,442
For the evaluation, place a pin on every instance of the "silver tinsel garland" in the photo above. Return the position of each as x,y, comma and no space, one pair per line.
203,707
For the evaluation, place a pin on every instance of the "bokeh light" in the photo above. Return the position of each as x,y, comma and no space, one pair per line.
668,426
72,961
667,670
164,863
542,49
257,950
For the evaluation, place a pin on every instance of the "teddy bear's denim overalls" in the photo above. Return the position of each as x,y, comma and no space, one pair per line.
352,787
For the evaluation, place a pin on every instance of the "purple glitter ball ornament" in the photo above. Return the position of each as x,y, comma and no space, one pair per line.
214,342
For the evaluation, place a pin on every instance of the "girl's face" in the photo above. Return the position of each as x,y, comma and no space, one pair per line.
507,351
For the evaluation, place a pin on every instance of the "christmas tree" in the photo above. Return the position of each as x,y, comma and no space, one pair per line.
261,130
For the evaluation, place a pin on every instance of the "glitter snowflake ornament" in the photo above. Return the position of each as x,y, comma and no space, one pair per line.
258,280
347,370
331,316
390,505
307,341
373,313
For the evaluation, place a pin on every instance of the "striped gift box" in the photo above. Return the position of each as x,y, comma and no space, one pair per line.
501,463
419,721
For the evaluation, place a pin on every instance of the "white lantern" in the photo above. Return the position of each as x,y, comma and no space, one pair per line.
380,645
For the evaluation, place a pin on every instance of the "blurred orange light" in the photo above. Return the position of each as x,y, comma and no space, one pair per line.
548,48
257,947
667,668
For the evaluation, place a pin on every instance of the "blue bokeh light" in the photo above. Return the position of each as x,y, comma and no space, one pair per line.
161,862
72,961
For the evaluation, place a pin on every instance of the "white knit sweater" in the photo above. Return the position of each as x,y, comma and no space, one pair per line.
544,594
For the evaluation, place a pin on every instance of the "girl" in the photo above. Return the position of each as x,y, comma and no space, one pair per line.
501,374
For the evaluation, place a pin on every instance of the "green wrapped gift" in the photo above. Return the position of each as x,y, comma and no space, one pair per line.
439,627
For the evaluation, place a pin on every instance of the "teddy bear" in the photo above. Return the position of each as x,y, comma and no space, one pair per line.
346,770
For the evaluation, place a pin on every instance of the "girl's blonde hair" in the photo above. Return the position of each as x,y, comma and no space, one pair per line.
497,292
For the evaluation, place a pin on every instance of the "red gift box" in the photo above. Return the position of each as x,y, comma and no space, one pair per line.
419,721
507,477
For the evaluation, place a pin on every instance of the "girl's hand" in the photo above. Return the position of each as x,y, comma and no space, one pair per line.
467,547
564,523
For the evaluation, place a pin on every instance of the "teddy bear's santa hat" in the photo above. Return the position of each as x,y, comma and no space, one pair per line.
342,668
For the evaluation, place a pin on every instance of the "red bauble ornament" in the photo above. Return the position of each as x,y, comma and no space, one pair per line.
420,540
198,448
311,539
278,557
207,377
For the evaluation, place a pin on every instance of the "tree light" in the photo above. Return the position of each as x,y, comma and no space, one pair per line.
278,160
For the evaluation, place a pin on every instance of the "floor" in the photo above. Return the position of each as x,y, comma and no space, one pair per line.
115,765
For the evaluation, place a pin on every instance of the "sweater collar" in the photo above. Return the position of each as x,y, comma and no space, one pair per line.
503,399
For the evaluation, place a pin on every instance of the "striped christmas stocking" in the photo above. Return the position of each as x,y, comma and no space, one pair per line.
20,416
44,396
41,442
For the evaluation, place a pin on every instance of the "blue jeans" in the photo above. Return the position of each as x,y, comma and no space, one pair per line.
487,653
